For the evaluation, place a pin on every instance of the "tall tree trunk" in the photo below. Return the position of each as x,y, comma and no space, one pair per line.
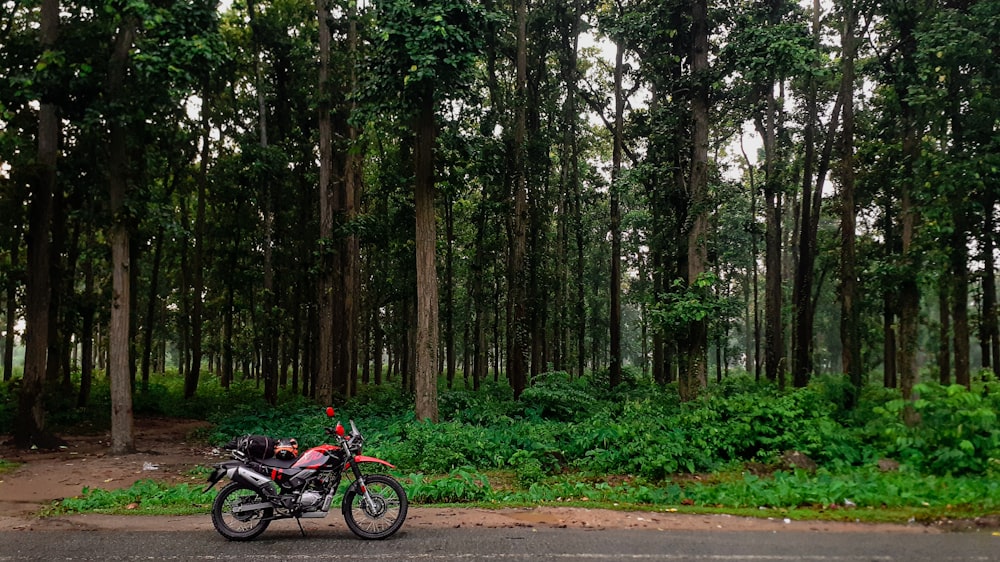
269,330
615,367
350,197
753,331
10,316
959,247
695,376
802,289
30,422
197,267
449,294
325,363
88,309
58,283
517,320
119,369
152,305
228,361
990,335
890,300
773,327
850,318
425,379
909,290
943,353
480,363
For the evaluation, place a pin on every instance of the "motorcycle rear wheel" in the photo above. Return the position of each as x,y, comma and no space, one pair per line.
239,526
385,517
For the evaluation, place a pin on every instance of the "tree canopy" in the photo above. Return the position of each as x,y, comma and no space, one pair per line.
330,195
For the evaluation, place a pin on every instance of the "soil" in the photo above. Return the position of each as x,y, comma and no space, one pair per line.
167,452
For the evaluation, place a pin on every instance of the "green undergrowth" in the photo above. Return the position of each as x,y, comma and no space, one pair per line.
864,495
145,497
569,441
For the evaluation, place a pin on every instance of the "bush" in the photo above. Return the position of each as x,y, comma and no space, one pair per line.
957,433
556,396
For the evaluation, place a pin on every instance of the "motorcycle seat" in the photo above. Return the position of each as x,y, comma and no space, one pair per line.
277,463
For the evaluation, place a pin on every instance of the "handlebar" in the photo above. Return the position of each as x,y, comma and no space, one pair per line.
352,441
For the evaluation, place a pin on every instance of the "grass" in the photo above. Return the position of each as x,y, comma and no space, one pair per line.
498,490
145,497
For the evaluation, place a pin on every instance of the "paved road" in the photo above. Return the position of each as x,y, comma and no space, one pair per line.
504,545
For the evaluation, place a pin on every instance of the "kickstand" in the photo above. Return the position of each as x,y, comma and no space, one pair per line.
301,530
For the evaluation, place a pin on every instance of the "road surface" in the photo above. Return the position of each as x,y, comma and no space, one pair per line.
284,543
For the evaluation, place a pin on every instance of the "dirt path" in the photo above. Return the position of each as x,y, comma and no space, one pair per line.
167,453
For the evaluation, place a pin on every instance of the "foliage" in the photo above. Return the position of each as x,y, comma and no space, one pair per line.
674,311
651,434
958,432
145,496
637,451
422,46
557,396
461,485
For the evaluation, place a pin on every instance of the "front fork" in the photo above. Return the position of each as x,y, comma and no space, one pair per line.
360,479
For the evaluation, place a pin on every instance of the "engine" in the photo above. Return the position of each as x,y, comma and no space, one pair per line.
311,501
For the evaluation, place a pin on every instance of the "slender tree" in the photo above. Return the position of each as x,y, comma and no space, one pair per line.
695,376
119,369
850,317
30,422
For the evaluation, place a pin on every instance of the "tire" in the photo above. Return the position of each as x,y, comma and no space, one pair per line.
388,514
243,526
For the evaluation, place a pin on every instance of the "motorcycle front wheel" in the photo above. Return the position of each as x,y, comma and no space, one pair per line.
381,517
235,524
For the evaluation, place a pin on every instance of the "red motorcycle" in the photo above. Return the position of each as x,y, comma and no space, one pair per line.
266,488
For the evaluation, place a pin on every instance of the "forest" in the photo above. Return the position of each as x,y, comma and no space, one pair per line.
438,195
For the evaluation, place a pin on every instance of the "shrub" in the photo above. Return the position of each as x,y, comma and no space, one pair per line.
957,433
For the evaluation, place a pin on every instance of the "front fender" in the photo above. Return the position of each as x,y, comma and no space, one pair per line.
361,458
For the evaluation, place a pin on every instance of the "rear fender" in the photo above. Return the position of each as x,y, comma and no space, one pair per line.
361,458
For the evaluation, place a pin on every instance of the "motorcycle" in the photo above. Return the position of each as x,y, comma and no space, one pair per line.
267,489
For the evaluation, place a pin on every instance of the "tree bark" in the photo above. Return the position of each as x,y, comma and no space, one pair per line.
910,258
773,327
802,289
517,222
30,422
10,317
326,286
695,376
119,370
192,376
87,331
850,318
425,377
615,324
152,304
943,353
990,335
449,295
959,247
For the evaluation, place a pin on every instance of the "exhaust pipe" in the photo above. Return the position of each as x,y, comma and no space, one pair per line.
239,472
254,479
